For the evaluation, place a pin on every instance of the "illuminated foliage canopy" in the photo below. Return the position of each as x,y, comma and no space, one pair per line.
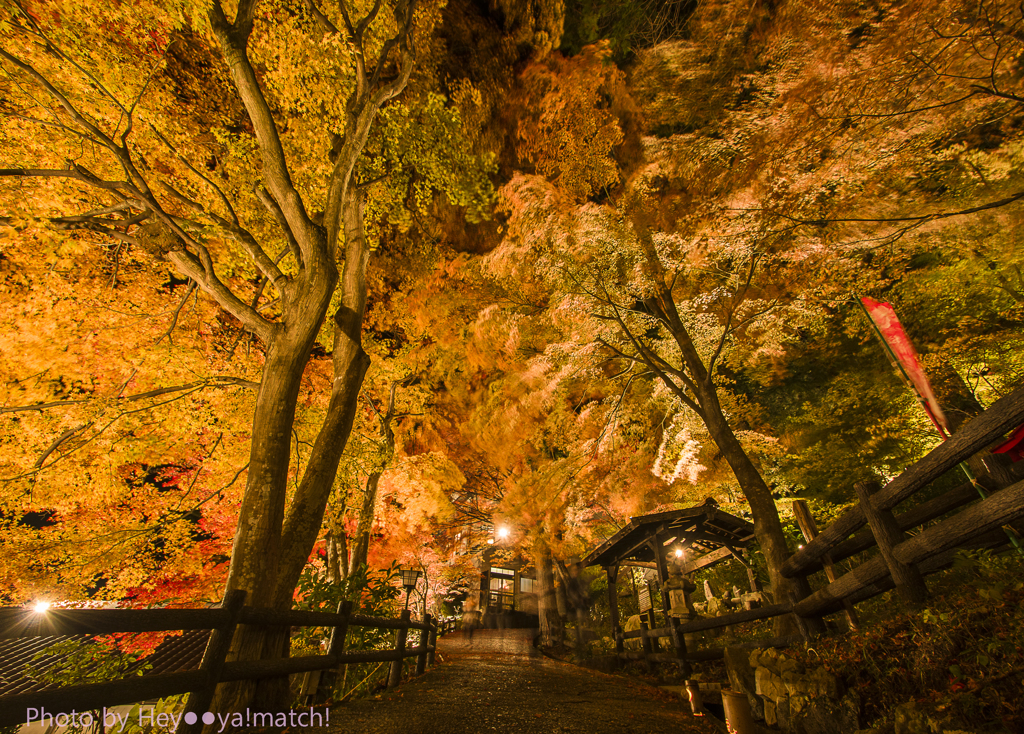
604,259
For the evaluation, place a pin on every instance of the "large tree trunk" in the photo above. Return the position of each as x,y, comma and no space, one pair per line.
767,525
695,387
361,545
270,548
257,550
551,629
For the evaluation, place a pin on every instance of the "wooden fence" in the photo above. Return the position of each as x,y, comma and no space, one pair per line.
214,668
996,499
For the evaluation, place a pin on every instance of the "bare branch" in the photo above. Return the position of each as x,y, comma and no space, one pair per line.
274,209
241,235
233,40
322,20
647,357
64,102
177,311
919,218
726,330
220,193
57,444
200,269
210,382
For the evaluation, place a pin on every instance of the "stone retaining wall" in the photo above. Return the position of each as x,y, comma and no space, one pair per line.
785,694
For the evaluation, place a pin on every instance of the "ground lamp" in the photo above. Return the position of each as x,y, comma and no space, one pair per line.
410,577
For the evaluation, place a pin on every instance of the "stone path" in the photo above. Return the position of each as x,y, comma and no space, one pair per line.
482,692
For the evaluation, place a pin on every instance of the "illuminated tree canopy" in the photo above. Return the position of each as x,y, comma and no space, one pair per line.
292,282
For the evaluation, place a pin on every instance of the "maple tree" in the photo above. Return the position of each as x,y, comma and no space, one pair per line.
664,309
163,201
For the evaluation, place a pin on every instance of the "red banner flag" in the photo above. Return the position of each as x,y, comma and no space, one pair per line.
902,351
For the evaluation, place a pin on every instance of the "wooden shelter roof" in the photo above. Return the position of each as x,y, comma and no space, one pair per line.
703,528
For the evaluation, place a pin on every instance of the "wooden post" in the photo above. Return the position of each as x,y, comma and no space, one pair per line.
645,642
613,606
1000,475
662,564
396,665
909,582
679,643
809,528
432,641
421,659
337,647
213,661
755,585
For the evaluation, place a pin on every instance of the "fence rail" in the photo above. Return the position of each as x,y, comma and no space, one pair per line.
214,668
904,559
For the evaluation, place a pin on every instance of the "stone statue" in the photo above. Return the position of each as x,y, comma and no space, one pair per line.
678,588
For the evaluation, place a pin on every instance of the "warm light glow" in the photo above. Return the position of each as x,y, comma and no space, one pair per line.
800,547
490,541
679,553
41,607
503,532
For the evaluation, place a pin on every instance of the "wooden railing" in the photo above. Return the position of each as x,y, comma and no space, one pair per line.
214,668
904,560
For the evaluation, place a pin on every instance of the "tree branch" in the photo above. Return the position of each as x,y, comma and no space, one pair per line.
234,40
210,382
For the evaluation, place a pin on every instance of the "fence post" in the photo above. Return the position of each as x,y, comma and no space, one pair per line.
432,641
809,528
213,661
396,666
421,659
909,582
337,647
645,642
679,643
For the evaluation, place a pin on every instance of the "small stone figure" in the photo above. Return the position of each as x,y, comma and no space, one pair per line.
678,588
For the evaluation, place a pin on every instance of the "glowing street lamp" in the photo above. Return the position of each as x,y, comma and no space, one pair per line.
41,607
410,577
503,532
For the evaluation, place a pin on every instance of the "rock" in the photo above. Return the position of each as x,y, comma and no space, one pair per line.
794,683
782,715
769,658
909,719
767,684
825,715
770,717
798,704
787,665
818,682
741,678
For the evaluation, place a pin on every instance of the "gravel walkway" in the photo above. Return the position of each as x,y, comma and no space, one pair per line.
484,692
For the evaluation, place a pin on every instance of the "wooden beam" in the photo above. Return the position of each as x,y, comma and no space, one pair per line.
773,610
992,513
923,549
809,528
909,582
1002,416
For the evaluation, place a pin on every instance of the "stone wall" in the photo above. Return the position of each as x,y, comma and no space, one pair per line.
785,694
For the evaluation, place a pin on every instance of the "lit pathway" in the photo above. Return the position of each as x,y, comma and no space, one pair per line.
480,692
